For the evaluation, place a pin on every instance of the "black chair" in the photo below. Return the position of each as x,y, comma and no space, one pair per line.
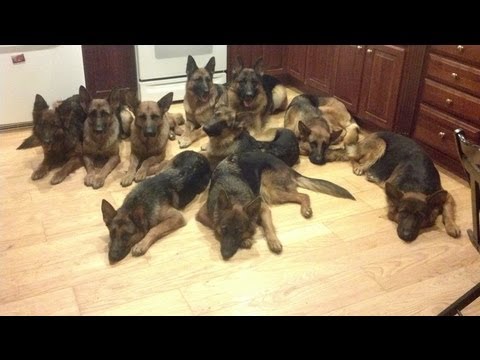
469,154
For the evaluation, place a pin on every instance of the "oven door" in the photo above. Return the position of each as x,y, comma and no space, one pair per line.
156,62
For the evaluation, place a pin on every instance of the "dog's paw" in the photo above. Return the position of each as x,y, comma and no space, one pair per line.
39,173
57,178
204,147
98,182
453,230
171,135
140,175
127,180
246,244
306,211
89,179
139,249
184,142
357,170
275,246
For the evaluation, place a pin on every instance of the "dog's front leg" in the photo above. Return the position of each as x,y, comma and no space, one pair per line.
203,218
146,165
172,221
266,222
132,168
90,167
448,215
304,148
190,136
42,169
72,164
99,179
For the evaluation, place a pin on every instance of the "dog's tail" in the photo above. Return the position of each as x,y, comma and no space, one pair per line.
279,98
30,142
322,186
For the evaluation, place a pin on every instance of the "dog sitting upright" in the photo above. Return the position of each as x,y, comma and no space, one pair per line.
200,98
323,127
151,209
252,91
149,139
412,183
59,133
227,135
101,137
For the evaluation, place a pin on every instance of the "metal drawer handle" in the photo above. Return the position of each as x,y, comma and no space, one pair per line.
449,101
441,134
460,48
455,76
369,51
359,47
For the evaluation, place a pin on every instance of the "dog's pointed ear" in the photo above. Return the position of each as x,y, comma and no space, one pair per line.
437,199
108,212
191,66
114,98
210,67
223,201
85,98
393,193
304,129
258,67
165,102
334,135
131,99
238,67
40,103
139,219
253,207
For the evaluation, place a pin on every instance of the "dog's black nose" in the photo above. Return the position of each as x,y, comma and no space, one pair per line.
150,133
317,160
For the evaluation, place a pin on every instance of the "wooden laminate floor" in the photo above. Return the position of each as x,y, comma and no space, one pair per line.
345,260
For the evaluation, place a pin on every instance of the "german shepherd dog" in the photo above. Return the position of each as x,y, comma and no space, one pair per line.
323,127
101,137
252,91
125,110
149,138
412,184
227,135
200,99
59,133
150,210
242,186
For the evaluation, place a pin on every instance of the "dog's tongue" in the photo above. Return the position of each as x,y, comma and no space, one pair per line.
205,97
247,103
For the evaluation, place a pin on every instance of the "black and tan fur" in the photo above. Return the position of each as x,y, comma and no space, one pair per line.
125,110
252,91
227,135
149,139
242,186
151,209
323,127
59,133
101,137
200,98
412,183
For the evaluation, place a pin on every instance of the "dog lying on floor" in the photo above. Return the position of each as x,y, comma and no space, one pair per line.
241,187
151,209
412,183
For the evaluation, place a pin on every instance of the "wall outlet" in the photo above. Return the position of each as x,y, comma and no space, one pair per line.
20,58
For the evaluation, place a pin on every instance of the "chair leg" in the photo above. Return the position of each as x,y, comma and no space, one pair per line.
465,300
474,234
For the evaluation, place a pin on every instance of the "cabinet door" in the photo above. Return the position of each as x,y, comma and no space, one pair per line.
296,56
347,75
319,66
109,66
273,56
381,84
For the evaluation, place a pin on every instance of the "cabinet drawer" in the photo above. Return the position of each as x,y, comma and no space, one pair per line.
462,52
455,74
453,101
436,129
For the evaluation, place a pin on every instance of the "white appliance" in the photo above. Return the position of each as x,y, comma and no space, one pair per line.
53,71
162,68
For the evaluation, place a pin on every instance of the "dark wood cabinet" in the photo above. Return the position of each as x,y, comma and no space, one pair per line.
347,75
273,57
296,56
380,88
319,65
109,66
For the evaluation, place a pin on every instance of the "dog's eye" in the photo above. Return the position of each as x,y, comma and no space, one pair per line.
103,113
92,113
155,117
208,80
142,117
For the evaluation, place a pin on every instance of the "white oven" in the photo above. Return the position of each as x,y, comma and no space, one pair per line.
162,68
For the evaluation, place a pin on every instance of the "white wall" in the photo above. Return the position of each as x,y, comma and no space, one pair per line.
53,71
